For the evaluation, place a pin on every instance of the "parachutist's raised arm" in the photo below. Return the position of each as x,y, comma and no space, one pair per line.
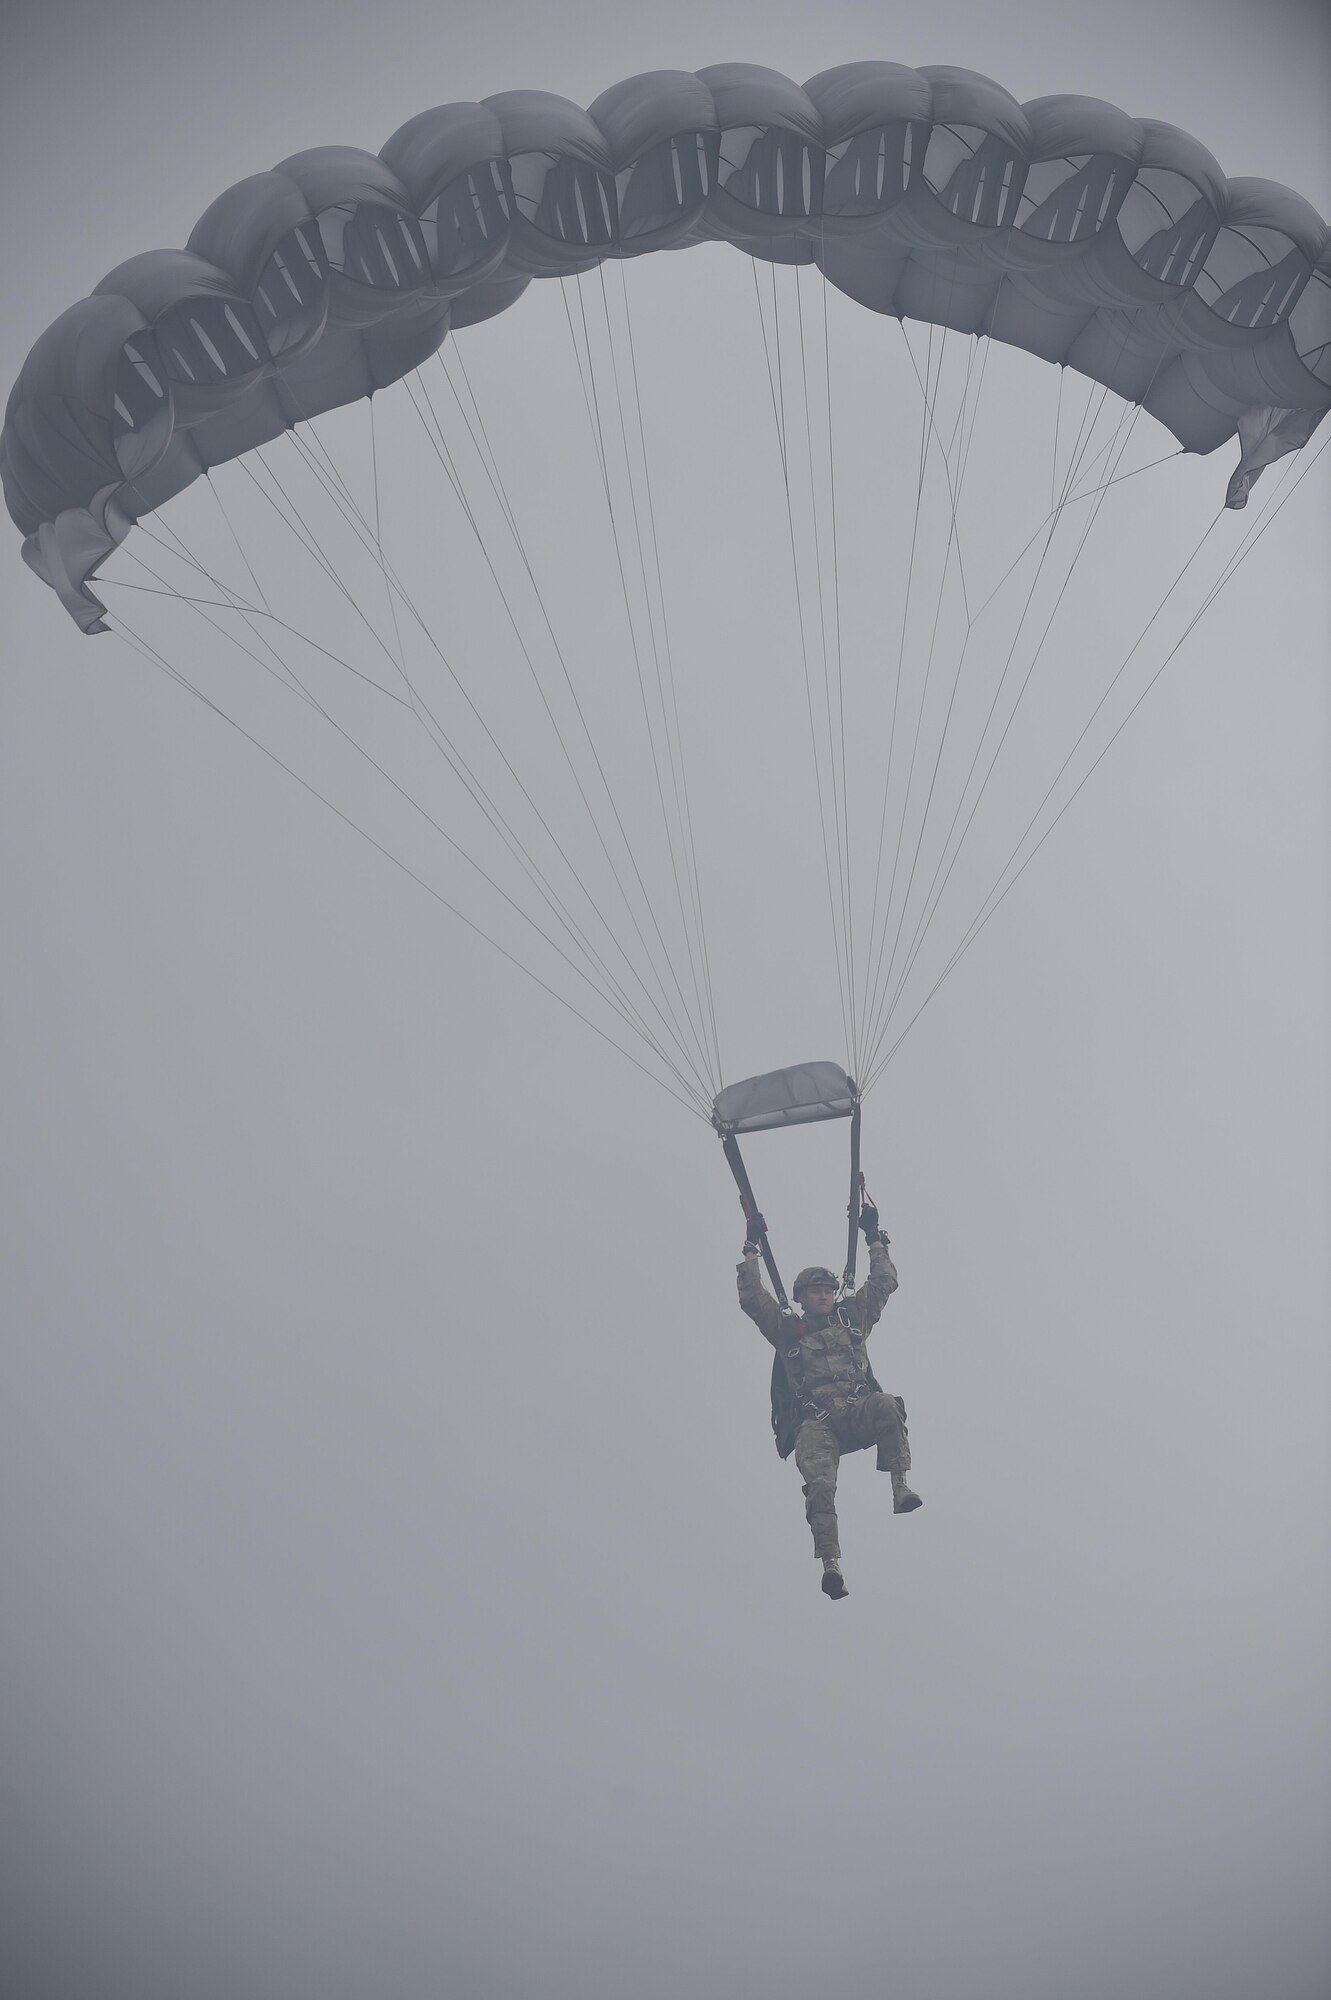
867,1305
757,1301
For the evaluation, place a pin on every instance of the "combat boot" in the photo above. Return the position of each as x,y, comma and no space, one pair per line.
903,1500
834,1584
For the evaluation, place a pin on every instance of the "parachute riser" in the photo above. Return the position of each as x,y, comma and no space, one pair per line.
734,1160
853,1205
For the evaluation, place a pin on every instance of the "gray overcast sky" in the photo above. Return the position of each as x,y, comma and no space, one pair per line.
402,1595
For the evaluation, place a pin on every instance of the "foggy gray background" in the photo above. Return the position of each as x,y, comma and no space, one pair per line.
401,1593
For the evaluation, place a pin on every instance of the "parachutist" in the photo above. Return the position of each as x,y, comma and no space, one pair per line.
825,1399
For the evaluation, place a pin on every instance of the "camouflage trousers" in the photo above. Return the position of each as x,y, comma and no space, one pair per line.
853,1426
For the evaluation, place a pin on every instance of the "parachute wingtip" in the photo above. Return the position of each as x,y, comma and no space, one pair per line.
65,553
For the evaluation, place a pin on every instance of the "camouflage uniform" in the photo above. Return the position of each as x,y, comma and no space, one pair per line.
840,1407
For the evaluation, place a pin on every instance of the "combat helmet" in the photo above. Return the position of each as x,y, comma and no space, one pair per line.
814,1274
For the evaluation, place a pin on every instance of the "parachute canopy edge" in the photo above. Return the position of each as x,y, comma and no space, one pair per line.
1116,245
67,551
805,1094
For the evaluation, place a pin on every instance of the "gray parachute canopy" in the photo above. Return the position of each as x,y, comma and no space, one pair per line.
1109,244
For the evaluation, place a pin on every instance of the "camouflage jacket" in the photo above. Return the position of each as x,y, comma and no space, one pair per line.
819,1362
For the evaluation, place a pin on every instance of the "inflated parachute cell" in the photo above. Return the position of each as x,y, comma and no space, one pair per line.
1109,244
